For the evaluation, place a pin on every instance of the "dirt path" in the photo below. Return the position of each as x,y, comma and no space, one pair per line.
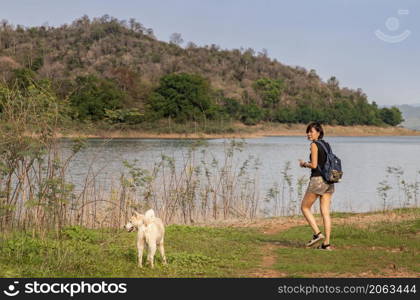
269,260
266,269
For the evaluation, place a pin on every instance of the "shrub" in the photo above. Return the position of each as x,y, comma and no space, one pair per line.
93,96
251,114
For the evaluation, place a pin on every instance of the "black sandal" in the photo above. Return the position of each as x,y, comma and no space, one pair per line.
325,247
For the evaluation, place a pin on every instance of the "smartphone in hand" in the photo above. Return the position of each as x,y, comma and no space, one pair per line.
301,162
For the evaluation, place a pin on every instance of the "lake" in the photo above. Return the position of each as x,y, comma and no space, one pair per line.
365,161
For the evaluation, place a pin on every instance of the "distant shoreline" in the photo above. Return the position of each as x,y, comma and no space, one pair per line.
243,131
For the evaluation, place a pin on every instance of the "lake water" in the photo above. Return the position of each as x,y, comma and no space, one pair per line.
364,159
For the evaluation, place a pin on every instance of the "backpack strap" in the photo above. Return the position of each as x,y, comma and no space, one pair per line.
327,150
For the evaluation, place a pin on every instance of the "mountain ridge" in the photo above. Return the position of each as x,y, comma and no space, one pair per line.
128,54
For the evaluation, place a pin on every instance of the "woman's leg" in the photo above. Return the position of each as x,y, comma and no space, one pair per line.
324,205
307,203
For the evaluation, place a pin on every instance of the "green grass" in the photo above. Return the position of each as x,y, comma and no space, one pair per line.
379,248
341,214
191,252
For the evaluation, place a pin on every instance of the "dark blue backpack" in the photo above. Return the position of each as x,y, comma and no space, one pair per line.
331,171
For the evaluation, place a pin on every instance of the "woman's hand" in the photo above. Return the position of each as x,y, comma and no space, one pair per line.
301,163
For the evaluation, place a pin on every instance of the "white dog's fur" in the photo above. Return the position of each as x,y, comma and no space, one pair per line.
150,230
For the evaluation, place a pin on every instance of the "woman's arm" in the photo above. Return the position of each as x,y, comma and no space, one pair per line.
314,157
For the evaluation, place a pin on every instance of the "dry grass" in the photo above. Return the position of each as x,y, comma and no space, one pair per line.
256,131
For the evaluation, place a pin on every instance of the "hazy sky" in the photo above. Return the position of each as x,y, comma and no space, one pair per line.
334,37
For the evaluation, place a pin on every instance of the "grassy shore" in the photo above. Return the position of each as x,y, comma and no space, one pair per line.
384,244
191,252
228,130
383,249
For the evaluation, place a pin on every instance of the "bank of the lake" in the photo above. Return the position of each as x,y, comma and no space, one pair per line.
377,244
236,130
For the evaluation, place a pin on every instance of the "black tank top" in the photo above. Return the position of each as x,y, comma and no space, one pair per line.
322,157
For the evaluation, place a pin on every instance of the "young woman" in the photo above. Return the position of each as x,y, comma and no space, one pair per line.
317,188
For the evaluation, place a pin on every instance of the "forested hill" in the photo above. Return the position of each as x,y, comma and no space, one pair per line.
117,71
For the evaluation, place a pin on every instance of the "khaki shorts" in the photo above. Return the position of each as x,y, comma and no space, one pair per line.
318,186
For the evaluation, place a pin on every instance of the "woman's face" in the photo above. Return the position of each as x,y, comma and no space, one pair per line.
312,134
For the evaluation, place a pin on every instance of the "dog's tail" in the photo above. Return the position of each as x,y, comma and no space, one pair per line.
149,216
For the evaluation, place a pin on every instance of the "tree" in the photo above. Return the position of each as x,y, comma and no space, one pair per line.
313,75
232,107
7,65
391,116
304,113
333,82
23,78
181,96
135,26
251,114
285,115
269,90
93,96
176,39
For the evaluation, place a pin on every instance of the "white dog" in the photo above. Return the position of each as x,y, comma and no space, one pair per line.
150,230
